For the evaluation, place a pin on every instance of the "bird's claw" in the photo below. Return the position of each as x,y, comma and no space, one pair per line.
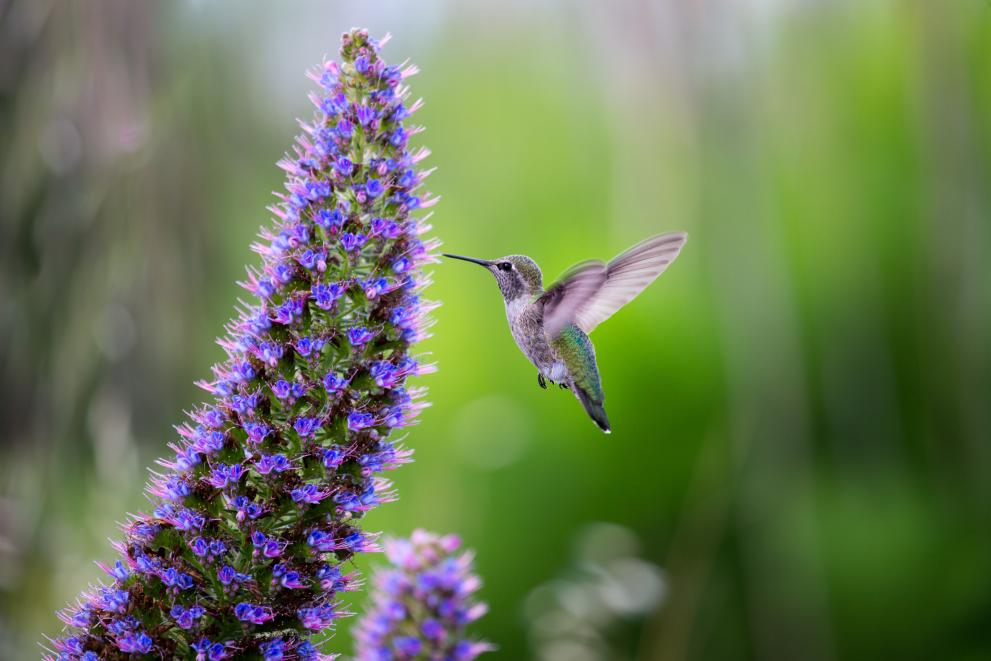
540,380
563,386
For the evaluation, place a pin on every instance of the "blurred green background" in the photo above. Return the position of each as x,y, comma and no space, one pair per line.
800,466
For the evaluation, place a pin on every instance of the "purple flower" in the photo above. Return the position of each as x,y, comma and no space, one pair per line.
333,457
325,296
407,179
334,383
373,188
246,509
330,219
250,465
217,548
281,389
284,314
351,242
308,493
291,580
186,459
344,128
428,590
137,642
186,617
222,475
244,404
384,373
306,426
343,166
375,286
318,618
365,114
304,346
358,421
268,463
228,575
283,273
199,546
311,259
359,336
255,614
207,650
306,650
257,431
407,646
398,138
273,548
274,650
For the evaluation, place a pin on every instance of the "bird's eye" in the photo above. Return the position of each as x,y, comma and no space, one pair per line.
505,266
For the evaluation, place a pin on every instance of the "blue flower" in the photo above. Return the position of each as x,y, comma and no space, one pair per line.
373,188
343,166
358,336
305,426
308,493
306,650
334,383
358,420
351,242
330,219
375,286
281,389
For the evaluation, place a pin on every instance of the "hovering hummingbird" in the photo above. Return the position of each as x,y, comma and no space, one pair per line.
551,326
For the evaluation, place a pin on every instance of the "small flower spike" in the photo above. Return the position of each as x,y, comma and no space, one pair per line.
422,606
257,513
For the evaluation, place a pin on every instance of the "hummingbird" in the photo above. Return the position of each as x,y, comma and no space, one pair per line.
551,326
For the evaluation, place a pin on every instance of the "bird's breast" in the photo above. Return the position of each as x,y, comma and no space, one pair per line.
525,324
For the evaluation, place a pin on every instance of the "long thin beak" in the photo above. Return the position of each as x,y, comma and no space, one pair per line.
480,262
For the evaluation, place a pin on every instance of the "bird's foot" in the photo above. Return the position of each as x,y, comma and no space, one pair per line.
540,380
563,386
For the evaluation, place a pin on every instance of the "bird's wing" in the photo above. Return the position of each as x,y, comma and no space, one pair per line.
627,275
562,300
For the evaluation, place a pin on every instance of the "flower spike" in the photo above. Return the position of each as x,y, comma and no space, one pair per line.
256,515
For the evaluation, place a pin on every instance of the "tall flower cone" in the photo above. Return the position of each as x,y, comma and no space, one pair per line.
257,514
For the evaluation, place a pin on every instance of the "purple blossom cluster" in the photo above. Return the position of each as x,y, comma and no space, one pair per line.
256,515
422,606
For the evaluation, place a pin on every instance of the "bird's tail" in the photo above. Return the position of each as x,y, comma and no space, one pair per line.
595,409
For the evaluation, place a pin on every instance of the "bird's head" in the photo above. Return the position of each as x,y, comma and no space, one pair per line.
516,275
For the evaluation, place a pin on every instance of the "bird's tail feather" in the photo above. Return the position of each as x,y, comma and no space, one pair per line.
595,409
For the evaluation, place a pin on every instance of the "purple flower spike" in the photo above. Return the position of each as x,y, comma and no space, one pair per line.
291,431
428,590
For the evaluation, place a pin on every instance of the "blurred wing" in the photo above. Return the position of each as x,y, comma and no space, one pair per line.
626,276
562,300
